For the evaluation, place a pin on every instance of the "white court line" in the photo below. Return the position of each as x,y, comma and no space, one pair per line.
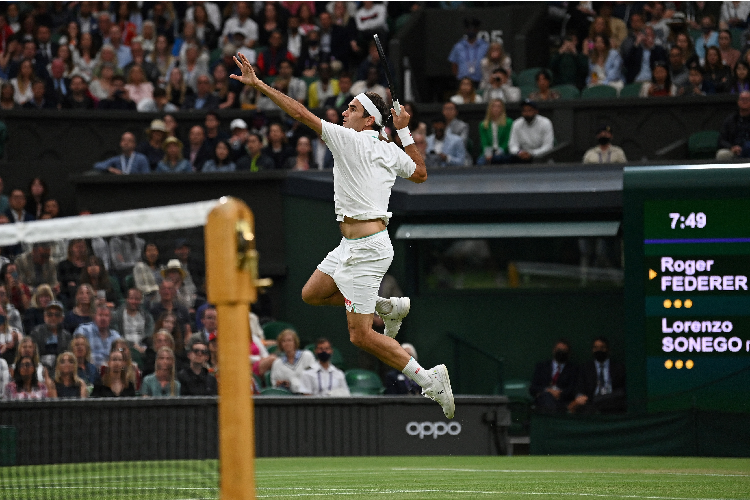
655,473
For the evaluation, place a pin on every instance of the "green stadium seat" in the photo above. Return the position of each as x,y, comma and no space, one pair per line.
519,404
258,381
703,144
129,283
528,76
267,379
568,91
631,90
599,92
272,329
275,391
526,90
737,38
517,389
364,382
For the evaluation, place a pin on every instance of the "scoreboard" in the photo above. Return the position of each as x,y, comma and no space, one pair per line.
687,302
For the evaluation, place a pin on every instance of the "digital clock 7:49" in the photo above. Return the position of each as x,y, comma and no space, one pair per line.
692,220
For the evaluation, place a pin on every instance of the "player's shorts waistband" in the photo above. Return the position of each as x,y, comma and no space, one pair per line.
373,235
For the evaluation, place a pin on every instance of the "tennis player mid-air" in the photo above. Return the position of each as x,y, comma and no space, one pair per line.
364,171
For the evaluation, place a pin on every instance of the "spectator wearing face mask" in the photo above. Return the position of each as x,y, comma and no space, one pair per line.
554,382
323,379
605,151
601,383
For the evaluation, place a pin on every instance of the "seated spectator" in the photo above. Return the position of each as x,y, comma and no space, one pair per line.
128,162
34,315
35,268
114,383
177,90
709,37
138,86
741,78
50,337
22,83
277,148
341,100
553,384
325,87
105,286
120,99
370,84
10,336
222,161
25,383
241,21
716,73
224,88
167,303
372,18
206,25
734,15
183,282
203,99
162,382
444,148
85,303
27,347
38,193
99,335
85,370
685,43
303,160
151,148
605,152
734,139
494,133
255,160
173,162
696,85
543,91
642,56
19,293
197,150
195,379
39,98
415,122
150,71
194,65
660,85
269,59
311,55
261,360
467,54
7,101
678,72
323,379
601,383
68,385
729,55
238,138
69,270
147,273
617,27
660,23
494,59
291,362
159,104
103,87
16,212
466,93
134,321
500,88
605,65
531,137
297,88
453,124
568,66
212,135
398,383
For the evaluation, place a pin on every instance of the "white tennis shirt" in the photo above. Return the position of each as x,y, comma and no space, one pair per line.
364,170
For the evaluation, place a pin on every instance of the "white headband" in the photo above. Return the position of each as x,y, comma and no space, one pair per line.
370,107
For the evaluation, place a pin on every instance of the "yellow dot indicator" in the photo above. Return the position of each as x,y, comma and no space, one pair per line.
678,303
689,364
678,364
668,364
688,303
667,304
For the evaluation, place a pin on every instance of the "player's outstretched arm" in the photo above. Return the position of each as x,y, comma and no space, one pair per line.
291,106
401,121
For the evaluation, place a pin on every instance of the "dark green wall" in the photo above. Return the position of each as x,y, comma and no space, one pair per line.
516,325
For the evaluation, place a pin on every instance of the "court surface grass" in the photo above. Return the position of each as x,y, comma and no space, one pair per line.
429,478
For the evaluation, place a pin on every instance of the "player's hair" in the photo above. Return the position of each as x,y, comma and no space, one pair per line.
380,104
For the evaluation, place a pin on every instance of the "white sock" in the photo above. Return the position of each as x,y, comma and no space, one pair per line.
383,306
418,374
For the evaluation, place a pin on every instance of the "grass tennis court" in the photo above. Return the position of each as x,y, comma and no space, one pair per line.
428,478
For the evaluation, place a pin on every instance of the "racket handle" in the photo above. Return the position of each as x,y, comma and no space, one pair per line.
397,106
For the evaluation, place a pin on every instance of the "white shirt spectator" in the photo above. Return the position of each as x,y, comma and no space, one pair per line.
4,377
360,87
212,11
249,28
537,137
284,371
372,19
729,10
319,381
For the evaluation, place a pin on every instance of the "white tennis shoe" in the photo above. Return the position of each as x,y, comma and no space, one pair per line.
441,391
401,306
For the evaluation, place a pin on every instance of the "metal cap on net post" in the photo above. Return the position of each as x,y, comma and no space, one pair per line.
231,280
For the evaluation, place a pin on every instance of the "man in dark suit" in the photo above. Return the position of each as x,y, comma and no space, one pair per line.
601,383
57,85
637,67
204,99
554,382
46,49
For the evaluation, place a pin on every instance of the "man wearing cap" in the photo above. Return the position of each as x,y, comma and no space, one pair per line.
195,268
50,337
128,162
531,137
152,148
36,268
184,287
605,152
365,169
238,128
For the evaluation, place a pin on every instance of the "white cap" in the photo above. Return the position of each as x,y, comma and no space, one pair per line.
237,123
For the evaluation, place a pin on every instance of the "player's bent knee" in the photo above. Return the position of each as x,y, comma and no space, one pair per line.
358,336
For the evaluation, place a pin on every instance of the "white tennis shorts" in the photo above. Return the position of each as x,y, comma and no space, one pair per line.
358,266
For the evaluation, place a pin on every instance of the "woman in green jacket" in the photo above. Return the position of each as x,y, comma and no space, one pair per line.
494,133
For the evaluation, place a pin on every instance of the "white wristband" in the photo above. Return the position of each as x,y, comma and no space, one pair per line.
405,135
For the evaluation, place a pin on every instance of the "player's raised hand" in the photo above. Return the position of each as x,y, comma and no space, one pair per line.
248,76
402,120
